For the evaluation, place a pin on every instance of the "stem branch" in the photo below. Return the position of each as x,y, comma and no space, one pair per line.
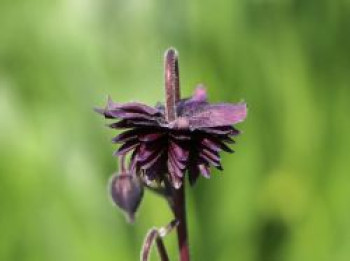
161,249
153,236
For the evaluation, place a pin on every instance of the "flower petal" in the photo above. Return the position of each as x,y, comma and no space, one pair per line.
139,107
157,171
218,115
215,144
204,170
146,155
174,175
148,164
222,130
123,124
181,164
129,115
213,156
150,137
208,143
126,147
180,136
209,160
133,160
200,94
175,168
131,107
126,136
180,152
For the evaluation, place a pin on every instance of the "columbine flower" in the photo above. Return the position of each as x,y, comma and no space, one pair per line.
164,151
164,142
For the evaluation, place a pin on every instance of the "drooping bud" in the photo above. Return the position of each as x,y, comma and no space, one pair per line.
126,191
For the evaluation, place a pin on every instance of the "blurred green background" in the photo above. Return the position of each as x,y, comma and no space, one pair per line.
285,193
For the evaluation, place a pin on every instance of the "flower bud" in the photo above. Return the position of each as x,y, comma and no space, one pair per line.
126,191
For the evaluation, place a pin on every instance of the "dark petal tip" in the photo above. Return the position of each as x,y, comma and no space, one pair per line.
126,147
219,167
229,140
123,124
226,148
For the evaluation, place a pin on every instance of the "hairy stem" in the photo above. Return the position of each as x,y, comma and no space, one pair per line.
172,93
180,215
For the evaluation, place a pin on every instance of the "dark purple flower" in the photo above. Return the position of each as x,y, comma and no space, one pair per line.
162,150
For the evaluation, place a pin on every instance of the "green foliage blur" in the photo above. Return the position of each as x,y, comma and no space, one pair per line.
283,196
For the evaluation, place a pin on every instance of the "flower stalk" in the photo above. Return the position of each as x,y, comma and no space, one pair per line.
180,215
172,97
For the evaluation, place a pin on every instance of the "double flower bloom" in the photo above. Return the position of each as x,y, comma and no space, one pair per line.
163,150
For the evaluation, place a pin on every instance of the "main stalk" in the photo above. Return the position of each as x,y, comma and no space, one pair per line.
172,96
